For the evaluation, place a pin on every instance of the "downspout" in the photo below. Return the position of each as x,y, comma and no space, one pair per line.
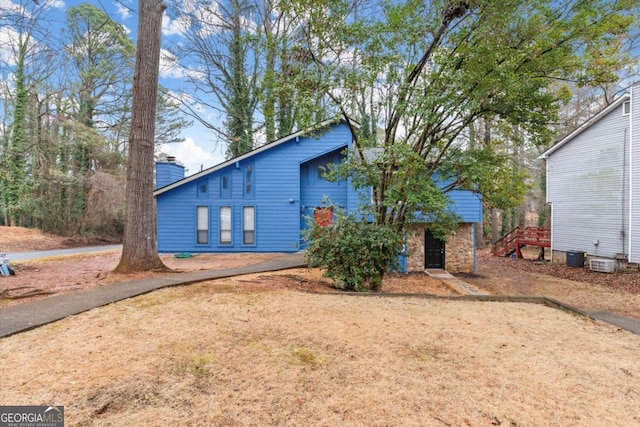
546,196
552,233
623,232
631,174
473,230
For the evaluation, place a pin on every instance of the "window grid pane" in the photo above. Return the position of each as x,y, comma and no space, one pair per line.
225,225
202,228
248,237
248,225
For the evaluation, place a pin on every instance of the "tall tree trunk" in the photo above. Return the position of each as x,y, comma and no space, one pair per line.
524,206
495,235
14,186
139,249
473,136
269,75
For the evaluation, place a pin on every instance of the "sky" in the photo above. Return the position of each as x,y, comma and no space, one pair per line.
200,148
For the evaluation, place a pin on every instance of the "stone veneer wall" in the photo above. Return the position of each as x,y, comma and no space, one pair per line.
458,249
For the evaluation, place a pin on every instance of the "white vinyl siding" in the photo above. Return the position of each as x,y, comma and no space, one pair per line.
588,185
248,225
225,225
202,221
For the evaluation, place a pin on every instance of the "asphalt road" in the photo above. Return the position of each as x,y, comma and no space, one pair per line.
17,256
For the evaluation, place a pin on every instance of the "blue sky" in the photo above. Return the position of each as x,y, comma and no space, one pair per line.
200,148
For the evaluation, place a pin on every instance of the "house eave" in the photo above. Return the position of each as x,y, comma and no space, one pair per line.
592,121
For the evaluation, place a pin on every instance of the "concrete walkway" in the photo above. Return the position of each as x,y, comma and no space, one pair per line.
20,256
628,323
459,285
28,315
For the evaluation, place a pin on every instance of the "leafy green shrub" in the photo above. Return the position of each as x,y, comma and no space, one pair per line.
354,254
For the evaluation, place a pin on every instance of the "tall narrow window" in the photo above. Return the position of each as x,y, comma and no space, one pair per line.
225,225
202,221
248,225
626,108
248,181
225,186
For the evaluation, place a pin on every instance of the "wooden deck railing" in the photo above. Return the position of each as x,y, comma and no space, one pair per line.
514,240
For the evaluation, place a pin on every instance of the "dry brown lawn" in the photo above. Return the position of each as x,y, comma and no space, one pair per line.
229,353
280,349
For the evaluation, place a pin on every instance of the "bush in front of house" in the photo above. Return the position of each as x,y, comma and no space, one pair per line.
354,254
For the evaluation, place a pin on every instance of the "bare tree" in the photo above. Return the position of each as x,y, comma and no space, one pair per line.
139,251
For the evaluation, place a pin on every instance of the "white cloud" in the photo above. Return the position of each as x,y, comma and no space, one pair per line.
9,6
8,36
122,11
173,27
57,4
170,68
192,156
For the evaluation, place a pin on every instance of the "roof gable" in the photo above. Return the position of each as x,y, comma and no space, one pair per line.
252,153
591,122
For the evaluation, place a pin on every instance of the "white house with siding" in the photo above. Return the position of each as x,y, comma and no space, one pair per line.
593,185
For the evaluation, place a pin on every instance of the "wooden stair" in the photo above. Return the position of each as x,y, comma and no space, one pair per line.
517,238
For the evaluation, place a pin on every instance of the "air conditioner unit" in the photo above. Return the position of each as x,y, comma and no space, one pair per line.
602,265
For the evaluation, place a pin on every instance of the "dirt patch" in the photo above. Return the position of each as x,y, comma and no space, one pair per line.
575,286
20,239
621,280
500,276
41,278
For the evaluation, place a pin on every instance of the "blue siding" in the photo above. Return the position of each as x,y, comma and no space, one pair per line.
168,173
286,187
467,205
276,196
314,189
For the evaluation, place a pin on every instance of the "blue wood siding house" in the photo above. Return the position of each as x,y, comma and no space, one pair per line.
260,201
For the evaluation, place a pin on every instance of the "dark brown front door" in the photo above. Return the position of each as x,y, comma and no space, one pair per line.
433,251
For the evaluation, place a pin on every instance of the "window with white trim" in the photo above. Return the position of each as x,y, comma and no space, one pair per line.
202,225
626,108
248,225
225,225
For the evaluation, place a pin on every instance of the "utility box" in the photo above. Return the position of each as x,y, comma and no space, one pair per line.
575,259
602,265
